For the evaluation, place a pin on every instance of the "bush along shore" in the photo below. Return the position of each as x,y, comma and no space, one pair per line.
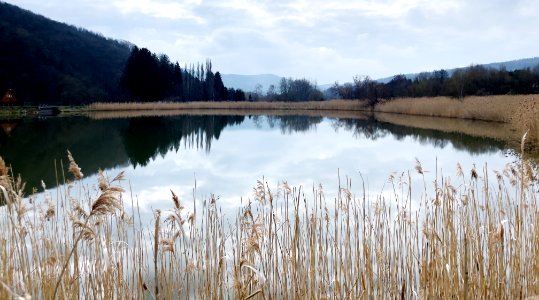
473,235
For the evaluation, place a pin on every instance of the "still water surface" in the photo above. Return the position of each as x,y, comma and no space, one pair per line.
226,155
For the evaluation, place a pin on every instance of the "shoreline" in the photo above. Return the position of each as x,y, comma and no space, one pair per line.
518,113
510,115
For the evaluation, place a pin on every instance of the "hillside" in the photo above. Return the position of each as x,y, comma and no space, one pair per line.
45,61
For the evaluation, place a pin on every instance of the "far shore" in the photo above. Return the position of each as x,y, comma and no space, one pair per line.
517,114
520,113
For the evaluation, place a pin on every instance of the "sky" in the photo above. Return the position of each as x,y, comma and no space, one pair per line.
320,40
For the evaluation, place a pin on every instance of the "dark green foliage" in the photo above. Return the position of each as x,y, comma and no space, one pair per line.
50,62
148,77
219,88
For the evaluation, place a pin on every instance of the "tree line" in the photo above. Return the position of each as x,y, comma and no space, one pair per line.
150,77
288,90
472,81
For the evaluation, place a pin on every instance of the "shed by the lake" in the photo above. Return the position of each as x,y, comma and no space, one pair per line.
9,98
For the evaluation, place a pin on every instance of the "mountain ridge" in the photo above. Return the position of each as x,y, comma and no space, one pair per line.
509,65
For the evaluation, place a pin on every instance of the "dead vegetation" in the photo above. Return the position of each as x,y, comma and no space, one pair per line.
474,235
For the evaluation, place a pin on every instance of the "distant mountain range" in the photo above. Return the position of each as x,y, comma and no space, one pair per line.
508,65
248,83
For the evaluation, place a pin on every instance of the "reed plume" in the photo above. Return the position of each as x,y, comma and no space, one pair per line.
73,167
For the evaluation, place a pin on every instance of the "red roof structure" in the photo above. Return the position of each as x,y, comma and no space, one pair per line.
9,97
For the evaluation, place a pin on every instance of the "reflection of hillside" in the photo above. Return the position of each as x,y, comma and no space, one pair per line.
34,146
373,129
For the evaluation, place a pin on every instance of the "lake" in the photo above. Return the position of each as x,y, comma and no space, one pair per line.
282,205
225,155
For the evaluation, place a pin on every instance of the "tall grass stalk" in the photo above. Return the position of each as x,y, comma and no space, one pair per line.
473,235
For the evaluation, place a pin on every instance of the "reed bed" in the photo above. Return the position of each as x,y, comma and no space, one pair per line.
491,108
352,105
521,112
103,115
471,236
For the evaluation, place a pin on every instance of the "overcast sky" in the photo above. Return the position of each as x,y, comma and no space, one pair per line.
321,40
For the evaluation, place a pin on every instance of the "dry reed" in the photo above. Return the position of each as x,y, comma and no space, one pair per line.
472,236
521,112
352,105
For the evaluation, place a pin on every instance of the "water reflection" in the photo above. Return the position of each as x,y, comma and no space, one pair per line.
145,138
373,129
292,124
34,146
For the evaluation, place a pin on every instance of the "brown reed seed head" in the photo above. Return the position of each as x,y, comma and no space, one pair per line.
418,166
73,167
102,181
107,202
176,201
119,177
473,173
3,168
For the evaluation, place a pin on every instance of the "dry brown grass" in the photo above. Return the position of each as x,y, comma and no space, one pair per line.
492,108
351,105
495,130
348,114
474,236
520,112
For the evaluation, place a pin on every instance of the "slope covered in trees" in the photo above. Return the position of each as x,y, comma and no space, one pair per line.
45,61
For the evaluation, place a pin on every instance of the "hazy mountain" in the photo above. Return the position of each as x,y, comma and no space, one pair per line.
248,83
508,65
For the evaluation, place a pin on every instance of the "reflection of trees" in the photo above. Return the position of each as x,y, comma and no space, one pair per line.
34,146
291,124
145,138
361,128
373,129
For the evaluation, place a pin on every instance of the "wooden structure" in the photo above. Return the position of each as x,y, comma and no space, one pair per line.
9,98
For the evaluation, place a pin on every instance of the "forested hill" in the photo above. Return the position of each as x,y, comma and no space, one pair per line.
45,61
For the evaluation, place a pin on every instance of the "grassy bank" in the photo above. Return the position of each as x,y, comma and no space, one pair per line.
474,235
349,105
8,112
520,112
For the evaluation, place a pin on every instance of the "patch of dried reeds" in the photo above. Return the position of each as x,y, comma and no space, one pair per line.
472,236
519,111
352,105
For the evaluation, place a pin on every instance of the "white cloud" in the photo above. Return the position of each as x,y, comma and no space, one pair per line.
160,9
323,40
